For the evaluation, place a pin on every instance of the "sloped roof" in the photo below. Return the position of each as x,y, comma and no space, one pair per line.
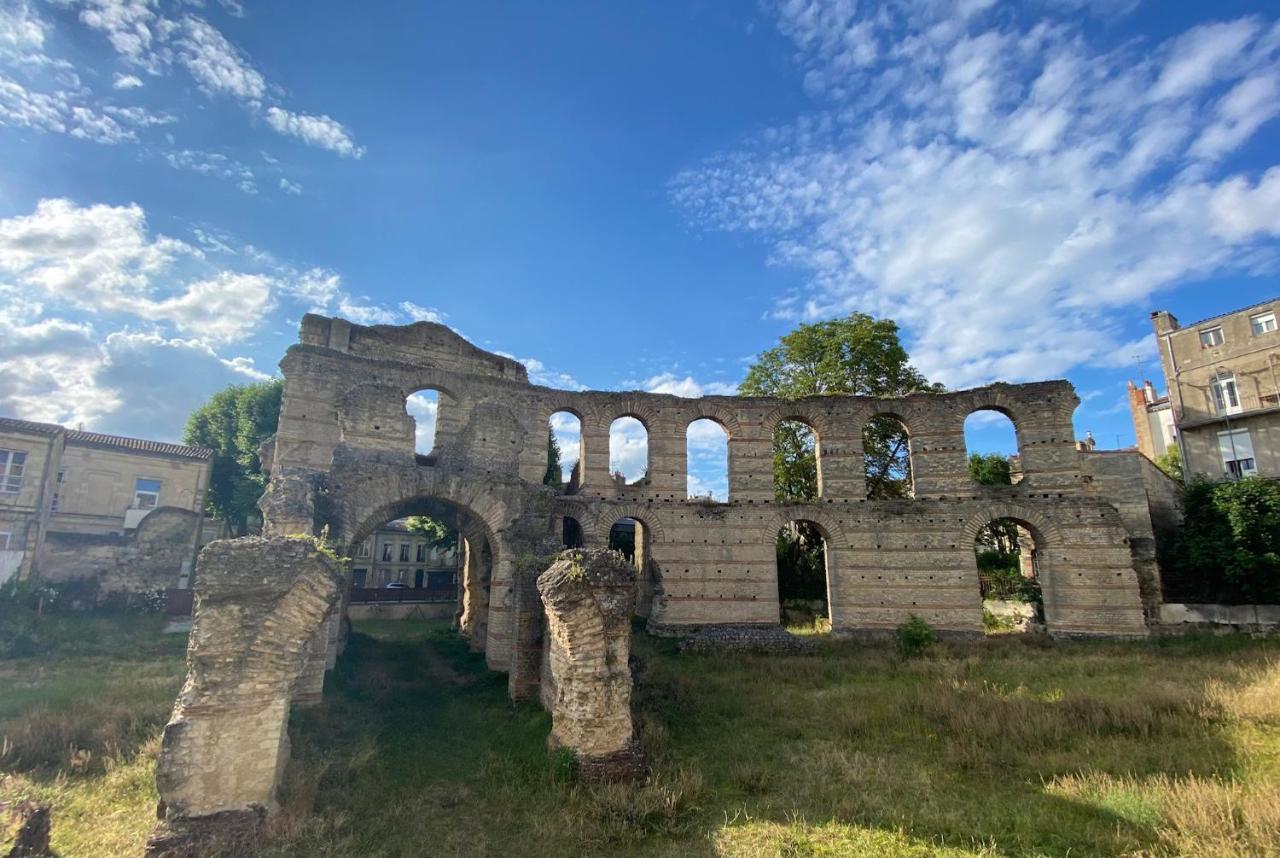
136,445
13,424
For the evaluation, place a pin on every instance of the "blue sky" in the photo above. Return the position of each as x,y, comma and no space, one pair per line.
623,195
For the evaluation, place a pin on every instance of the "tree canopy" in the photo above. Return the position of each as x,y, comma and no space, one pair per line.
435,531
856,355
991,469
554,477
233,423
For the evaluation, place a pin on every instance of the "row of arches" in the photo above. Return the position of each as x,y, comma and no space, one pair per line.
1006,554
991,444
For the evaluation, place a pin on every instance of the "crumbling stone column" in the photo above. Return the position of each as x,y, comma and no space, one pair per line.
588,596
260,606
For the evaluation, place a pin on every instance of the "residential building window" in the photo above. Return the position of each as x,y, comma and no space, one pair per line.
419,577
1225,398
12,464
1236,448
1263,323
404,552
1211,337
363,549
57,491
386,551
357,578
146,493
422,552
4,540
1269,400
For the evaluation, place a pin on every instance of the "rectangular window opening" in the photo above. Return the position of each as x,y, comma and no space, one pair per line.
146,493
12,465
1262,323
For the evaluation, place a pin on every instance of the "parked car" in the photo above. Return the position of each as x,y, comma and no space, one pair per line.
397,585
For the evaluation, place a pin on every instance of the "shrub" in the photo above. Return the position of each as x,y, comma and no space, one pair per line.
1229,548
914,637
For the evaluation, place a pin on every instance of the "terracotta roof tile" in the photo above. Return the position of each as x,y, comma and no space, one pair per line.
137,445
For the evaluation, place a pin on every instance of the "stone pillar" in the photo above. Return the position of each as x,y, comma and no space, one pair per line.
588,597
261,607
595,460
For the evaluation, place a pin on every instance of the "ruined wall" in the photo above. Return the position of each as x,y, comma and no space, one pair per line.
343,458
152,557
259,604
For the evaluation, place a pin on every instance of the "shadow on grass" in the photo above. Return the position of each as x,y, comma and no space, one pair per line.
970,751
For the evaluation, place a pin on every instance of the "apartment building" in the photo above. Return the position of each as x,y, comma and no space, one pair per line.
1152,420
396,555
1223,377
88,493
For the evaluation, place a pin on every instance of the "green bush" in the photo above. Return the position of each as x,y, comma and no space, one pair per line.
1229,548
1001,578
914,637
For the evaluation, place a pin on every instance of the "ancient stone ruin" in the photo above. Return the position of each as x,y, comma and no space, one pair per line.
269,611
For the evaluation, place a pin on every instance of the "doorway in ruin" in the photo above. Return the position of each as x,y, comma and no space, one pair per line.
803,576
991,448
1007,554
424,558
631,537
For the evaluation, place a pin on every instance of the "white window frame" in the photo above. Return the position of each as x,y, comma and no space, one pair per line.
8,486
1233,446
404,553
1208,335
1262,323
139,493
5,537
364,549
1225,394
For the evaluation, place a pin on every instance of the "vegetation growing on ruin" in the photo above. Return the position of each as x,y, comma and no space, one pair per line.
1008,747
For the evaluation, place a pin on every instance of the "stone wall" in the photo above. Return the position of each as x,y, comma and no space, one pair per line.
343,458
259,606
152,557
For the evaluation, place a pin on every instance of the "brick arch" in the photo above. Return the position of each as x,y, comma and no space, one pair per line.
809,414
1045,532
431,379
833,531
700,410
637,406
907,416
605,519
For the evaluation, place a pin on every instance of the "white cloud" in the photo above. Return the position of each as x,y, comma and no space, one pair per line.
291,188
668,382
568,431
323,131
216,64
423,408
365,314
628,448
213,164
140,116
126,81
415,313
57,112
222,309
980,173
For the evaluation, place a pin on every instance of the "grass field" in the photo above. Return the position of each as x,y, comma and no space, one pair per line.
999,747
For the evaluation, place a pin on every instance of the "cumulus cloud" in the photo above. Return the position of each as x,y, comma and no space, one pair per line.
423,408
216,64
291,188
57,112
628,448
126,81
323,131
668,382
994,183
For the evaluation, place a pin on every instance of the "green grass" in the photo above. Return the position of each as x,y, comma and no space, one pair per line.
1009,746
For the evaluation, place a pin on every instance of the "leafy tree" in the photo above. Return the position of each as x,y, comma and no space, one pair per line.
554,477
1170,461
1229,547
990,470
233,423
855,355
436,532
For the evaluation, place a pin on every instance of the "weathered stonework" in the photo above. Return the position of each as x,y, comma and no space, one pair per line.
589,597
150,558
343,458
259,606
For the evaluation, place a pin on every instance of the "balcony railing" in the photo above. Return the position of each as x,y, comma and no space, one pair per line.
395,595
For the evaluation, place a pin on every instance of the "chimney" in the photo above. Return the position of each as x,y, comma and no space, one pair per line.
1149,391
1163,321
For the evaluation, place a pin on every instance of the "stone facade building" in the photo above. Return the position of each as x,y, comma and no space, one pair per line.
394,554
1223,377
1152,420
82,505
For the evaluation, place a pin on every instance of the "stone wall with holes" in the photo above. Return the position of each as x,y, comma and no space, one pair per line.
343,459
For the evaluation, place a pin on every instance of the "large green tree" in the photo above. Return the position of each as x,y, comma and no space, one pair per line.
554,477
233,423
991,469
856,355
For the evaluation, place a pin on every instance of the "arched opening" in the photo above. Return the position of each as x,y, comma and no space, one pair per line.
991,442
411,559
628,450
631,538
707,457
797,469
886,448
424,408
1007,556
802,576
423,558
571,533
564,452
